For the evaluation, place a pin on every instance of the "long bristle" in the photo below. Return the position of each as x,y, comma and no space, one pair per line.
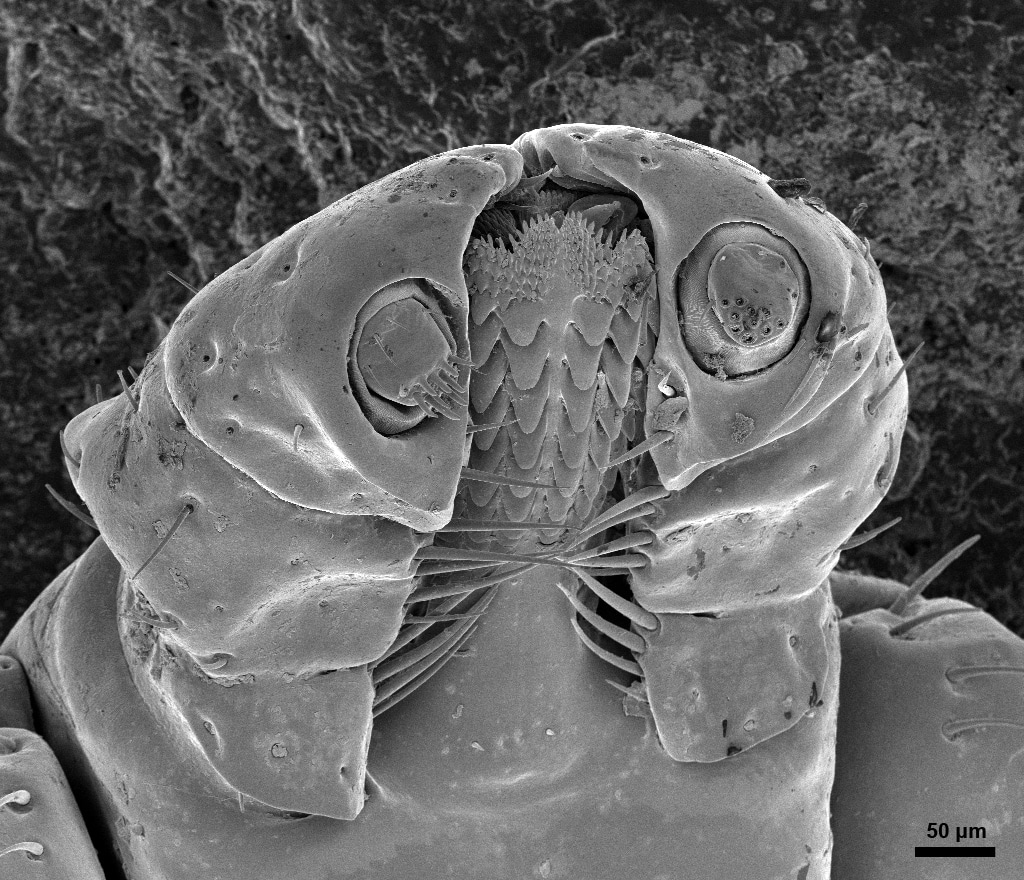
640,616
872,406
474,429
439,652
465,554
501,479
630,666
925,579
128,391
424,676
400,662
628,691
71,508
183,283
816,362
433,569
414,619
460,588
625,509
623,517
397,663
622,560
858,540
411,632
626,542
499,525
652,442
905,626
185,511
77,462
627,638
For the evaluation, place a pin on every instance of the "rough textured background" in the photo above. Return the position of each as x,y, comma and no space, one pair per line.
152,136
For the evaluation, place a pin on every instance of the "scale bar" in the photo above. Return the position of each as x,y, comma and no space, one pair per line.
956,852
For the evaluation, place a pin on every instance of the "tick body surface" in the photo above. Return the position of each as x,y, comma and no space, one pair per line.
458,451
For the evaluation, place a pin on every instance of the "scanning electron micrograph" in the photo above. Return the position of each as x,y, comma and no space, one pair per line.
484,524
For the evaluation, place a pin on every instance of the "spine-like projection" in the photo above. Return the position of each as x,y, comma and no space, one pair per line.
268,479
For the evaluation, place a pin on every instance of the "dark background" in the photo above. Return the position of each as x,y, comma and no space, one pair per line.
144,137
